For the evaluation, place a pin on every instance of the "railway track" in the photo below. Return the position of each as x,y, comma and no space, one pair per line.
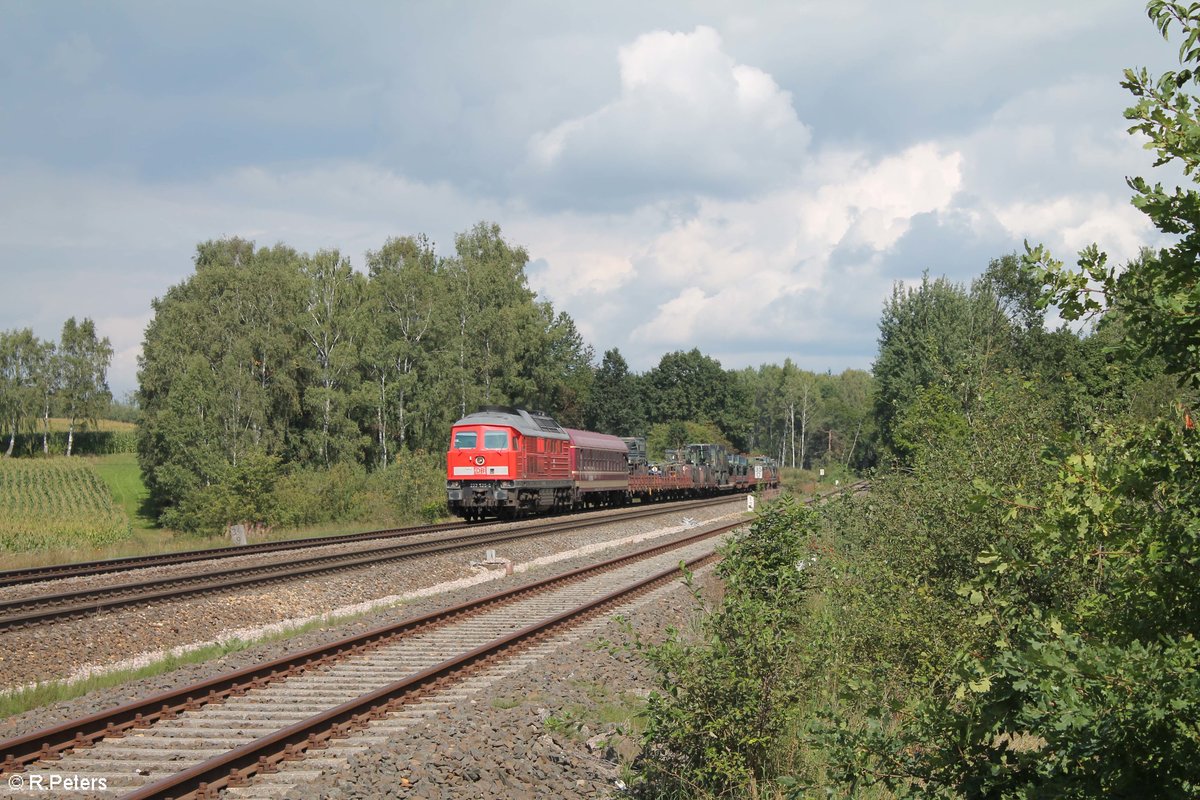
17,577
45,608
334,700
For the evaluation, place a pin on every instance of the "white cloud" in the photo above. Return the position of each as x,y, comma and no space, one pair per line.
1069,223
688,118
724,224
738,261
874,208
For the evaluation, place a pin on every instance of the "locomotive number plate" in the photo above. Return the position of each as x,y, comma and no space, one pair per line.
501,470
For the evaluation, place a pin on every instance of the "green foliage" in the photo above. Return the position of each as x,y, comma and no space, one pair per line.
244,493
125,410
806,419
1083,664
222,368
48,503
411,488
86,443
930,425
692,387
674,435
401,346
260,491
616,404
1018,291
19,368
878,623
83,360
718,719
331,324
299,358
938,334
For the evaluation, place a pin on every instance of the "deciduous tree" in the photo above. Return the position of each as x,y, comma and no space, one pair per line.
616,405
18,393
84,360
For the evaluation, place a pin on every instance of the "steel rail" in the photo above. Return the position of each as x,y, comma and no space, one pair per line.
17,577
238,765
44,608
49,743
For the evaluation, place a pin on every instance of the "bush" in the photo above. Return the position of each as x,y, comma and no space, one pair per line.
245,494
718,721
311,496
871,627
261,491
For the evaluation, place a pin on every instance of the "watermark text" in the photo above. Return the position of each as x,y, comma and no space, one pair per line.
55,782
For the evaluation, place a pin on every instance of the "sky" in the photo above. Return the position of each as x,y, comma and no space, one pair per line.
748,178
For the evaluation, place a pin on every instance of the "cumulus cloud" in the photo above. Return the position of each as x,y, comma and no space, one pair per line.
688,118
768,261
743,182
1071,222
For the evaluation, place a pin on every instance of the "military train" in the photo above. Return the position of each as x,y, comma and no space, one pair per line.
507,462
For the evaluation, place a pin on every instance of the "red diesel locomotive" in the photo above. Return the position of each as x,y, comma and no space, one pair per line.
507,462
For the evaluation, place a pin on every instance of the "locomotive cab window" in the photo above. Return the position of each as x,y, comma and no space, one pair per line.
495,440
465,440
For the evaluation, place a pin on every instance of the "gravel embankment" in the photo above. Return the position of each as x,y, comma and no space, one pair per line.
60,650
566,729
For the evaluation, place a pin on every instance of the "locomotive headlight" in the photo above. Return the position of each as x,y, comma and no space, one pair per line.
479,461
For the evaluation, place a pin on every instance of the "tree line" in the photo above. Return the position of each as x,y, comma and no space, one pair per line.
296,358
266,352
43,379
801,418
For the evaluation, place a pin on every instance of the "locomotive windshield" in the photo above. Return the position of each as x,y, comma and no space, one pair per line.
495,440
465,440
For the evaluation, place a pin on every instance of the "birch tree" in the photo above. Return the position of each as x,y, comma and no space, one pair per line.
404,288
329,324
47,380
85,360
18,358
488,295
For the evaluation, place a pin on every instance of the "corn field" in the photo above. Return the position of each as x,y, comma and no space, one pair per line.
57,502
